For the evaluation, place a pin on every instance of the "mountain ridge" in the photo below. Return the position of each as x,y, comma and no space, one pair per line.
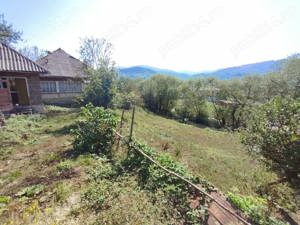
259,68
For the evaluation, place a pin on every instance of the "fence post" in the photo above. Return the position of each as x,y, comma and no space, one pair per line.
132,121
120,130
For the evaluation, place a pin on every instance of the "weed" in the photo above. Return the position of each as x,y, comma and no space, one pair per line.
86,160
254,207
61,192
64,166
153,178
4,199
52,157
14,175
31,191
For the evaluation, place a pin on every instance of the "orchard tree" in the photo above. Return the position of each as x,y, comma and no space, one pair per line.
193,97
8,35
160,93
234,99
273,132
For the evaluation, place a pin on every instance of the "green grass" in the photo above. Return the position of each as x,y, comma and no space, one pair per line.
218,156
35,169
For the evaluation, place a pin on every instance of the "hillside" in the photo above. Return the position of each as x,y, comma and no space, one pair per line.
240,71
43,181
148,71
259,68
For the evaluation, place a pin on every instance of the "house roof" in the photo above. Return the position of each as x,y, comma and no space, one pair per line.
61,64
13,61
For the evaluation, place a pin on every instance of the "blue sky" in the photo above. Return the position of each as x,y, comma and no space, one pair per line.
193,35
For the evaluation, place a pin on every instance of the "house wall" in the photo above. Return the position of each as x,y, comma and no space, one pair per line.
59,98
35,96
5,97
33,88
56,95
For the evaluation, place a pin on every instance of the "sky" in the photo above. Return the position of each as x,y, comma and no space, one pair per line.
183,35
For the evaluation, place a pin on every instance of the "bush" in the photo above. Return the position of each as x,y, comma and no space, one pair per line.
95,132
160,93
154,179
254,207
273,132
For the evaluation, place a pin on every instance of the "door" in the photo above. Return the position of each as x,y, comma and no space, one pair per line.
21,88
18,90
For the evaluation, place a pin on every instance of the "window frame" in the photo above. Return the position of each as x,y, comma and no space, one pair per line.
51,89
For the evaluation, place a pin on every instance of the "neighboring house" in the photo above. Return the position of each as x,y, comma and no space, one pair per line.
19,80
65,78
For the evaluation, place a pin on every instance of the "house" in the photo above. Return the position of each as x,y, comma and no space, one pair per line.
19,81
65,78
57,78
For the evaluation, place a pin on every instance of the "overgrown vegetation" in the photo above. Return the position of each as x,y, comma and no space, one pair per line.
154,179
95,132
256,208
274,133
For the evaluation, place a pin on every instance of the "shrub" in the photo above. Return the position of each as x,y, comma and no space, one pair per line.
254,207
153,178
273,132
95,132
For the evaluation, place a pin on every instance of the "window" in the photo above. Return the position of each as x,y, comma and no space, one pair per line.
3,83
70,86
48,87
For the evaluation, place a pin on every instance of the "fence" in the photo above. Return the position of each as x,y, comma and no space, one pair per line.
199,189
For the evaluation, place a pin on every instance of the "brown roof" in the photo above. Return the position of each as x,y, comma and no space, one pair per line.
13,61
61,64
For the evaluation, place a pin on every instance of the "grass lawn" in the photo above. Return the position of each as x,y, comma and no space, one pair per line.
43,182
215,155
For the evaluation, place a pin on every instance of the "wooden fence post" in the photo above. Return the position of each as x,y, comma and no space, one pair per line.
132,121
120,130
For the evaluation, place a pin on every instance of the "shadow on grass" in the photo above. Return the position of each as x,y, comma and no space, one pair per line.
63,130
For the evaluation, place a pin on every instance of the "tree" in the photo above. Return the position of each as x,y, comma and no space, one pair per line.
273,131
96,52
193,97
101,86
100,89
233,99
160,93
8,35
33,52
